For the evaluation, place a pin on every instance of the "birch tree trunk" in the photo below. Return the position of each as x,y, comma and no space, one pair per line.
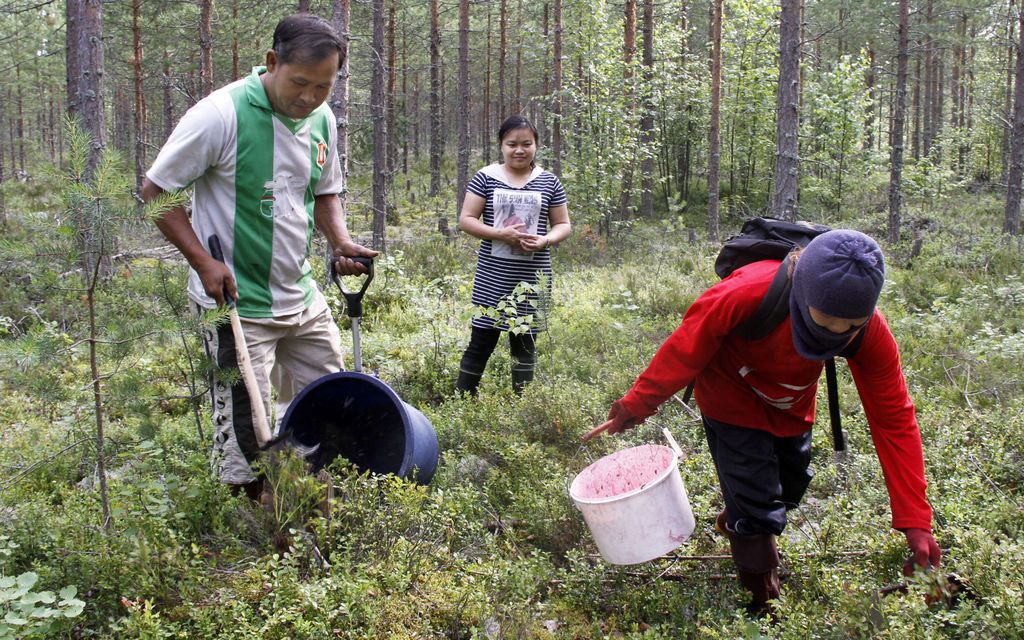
784,205
628,52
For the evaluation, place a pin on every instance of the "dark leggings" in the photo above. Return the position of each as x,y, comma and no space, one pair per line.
762,476
481,345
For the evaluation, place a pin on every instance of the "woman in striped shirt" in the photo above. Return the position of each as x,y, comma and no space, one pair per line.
518,210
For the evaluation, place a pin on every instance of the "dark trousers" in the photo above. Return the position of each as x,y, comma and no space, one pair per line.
481,345
762,476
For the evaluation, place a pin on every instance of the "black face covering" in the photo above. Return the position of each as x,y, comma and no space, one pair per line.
812,340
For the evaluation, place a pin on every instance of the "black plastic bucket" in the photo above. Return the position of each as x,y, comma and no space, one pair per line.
363,420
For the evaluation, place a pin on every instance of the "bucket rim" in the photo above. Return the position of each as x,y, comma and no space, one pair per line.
407,456
662,475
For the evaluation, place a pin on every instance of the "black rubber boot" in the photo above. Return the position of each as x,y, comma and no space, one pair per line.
757,565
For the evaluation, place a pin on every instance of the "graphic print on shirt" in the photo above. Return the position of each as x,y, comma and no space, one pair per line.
511,208
283,197
780,395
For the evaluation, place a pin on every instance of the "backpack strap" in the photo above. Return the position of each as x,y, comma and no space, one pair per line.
772,310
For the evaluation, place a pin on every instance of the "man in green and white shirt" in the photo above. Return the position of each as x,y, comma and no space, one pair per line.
260,155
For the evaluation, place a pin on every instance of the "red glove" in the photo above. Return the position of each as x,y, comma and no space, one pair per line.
621,418
924,551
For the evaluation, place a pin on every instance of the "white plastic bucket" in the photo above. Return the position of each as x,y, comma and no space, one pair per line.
634,504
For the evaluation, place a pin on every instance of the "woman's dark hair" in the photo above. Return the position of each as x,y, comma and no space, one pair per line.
306,39
516,122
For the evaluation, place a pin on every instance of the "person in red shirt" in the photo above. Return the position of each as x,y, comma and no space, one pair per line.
757,397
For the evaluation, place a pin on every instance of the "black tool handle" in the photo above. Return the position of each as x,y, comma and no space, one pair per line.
218,254
353,299
832,383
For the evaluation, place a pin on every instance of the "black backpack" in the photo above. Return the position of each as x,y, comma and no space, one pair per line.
772,239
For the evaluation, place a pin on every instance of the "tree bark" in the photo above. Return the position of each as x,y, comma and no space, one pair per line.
487,128
85,73
628,52
435,100
392,151
784,205
899,114
1011,218
714,136
647,115
556,108
915,136
502,55
140,95
1008,95
168,85
235,75
205,47
341,17
380,132
869,112
463,155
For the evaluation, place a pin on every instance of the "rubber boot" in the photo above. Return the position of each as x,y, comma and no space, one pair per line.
521,376
468,382
757,565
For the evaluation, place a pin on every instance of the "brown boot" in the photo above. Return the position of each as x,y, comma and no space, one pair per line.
757,565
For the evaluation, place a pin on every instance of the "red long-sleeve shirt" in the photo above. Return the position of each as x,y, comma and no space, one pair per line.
765,384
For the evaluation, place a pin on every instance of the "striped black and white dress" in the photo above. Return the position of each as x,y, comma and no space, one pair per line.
499,269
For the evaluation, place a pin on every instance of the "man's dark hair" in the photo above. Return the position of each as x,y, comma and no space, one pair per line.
305,39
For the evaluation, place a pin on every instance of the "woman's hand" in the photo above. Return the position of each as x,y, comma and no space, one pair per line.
534,243
512,234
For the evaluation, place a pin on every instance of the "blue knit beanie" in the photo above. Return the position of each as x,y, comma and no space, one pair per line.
840,273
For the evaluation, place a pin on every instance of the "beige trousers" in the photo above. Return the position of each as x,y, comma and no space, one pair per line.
287,354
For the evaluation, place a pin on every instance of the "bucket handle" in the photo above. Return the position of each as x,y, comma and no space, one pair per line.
672,442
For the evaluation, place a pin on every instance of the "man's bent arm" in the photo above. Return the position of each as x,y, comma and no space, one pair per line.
176,227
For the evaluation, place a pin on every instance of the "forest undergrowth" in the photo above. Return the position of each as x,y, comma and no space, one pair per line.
493,547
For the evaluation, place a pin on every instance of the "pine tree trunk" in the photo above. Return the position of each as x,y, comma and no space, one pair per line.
205,47
714,137
1008,95
915,136
517,107
899,114
140,95
463,153
502,108
235,75
647,116
341,17
869,112
392,151
487,128
784,205
405,99
435,100
21,119
168,86
1011,218
556,107
380,132
85,73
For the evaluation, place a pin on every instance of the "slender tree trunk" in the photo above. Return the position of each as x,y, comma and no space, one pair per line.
502,55
869,112
205,47
714,138
416,115
928,129
140,95
1011,218
463,156
486,129
784,203
556,108
97,395
380,132
341,17
21,119
647,117
544,124
915,136
392,151
168,86
435,100
628,52
518,107
899,114
405,100
1008,94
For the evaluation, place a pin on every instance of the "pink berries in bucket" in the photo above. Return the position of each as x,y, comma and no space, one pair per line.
634,504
